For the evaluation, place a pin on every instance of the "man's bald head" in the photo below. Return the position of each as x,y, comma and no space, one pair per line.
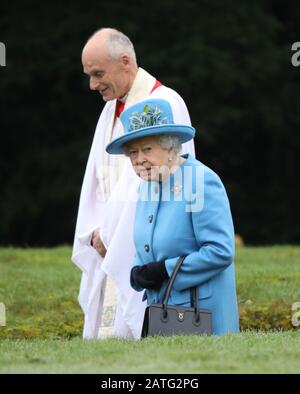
113,41
109,59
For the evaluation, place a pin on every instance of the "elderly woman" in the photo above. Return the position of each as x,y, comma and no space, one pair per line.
183,210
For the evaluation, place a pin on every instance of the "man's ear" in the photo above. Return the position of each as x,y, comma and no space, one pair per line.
125,59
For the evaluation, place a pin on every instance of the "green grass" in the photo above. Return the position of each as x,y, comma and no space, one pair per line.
268,281
243,353
39,288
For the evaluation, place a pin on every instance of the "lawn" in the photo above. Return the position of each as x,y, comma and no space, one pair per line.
44,322
248,352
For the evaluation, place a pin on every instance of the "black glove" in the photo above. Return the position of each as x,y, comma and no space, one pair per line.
150,276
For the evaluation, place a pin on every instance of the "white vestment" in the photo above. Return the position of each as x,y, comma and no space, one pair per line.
108,200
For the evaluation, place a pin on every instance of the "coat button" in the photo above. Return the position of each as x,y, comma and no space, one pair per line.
150,218
147,248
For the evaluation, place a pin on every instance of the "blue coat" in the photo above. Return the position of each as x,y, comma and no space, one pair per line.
189,214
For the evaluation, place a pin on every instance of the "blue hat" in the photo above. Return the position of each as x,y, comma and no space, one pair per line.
148,118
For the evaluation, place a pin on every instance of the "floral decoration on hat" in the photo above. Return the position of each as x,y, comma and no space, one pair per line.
149,117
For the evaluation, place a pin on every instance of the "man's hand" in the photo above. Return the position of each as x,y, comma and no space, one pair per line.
97,243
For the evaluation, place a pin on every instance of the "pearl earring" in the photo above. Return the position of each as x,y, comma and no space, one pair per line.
170,159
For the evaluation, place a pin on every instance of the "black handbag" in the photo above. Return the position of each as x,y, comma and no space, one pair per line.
163,319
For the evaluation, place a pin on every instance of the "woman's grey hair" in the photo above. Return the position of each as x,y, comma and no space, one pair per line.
169,142
118,43
166,141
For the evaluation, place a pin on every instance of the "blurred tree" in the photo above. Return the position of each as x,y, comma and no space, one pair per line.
229,60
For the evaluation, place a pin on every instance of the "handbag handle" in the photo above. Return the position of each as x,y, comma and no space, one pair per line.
194,291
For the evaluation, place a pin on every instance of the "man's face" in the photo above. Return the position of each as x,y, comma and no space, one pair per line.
110,77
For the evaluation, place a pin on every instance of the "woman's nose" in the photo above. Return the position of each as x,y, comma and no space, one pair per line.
140,159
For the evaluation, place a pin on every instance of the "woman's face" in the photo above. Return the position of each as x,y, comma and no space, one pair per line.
150,161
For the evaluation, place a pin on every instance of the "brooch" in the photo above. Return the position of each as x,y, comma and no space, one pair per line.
177,189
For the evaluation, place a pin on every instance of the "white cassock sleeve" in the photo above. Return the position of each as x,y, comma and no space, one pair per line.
87,259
